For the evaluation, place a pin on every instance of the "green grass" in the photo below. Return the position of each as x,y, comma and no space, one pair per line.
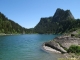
74,49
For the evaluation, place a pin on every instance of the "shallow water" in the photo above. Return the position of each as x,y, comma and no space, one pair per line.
25,47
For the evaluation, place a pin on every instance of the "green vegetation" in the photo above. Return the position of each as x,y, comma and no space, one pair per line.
8,26
61,22
74,49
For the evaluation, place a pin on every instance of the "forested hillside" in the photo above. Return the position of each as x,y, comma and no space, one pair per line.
62,21
8,26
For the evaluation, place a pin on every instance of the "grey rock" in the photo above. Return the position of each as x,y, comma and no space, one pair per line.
59,43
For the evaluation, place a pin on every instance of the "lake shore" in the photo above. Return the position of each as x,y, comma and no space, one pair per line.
65,55
49,49
8,34
59,44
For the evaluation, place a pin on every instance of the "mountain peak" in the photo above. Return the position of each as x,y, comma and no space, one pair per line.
61,14
69,14
58,23
58,9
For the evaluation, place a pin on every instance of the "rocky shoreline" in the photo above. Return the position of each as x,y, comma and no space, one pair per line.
47,48
60,44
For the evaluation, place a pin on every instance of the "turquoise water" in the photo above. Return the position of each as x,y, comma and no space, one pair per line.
25,47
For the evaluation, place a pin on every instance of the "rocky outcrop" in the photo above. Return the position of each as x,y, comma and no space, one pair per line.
62,43
61,15
67,41
55,46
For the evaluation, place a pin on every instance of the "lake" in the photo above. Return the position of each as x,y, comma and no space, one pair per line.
25,47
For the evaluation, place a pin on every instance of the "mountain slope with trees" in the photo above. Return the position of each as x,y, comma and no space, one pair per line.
8,26
62,21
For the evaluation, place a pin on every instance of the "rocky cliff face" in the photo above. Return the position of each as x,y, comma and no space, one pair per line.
61,14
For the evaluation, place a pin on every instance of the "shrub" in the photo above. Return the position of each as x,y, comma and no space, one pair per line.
74,49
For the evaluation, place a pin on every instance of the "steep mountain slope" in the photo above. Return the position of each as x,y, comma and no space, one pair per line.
8,26
61,15
61,22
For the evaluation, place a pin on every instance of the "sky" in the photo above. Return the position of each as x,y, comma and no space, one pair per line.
27,13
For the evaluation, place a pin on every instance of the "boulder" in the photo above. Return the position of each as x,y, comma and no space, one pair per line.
62,42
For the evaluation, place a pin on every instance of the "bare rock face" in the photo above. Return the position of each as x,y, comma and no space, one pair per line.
61,14
62,42
67,41
55,46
